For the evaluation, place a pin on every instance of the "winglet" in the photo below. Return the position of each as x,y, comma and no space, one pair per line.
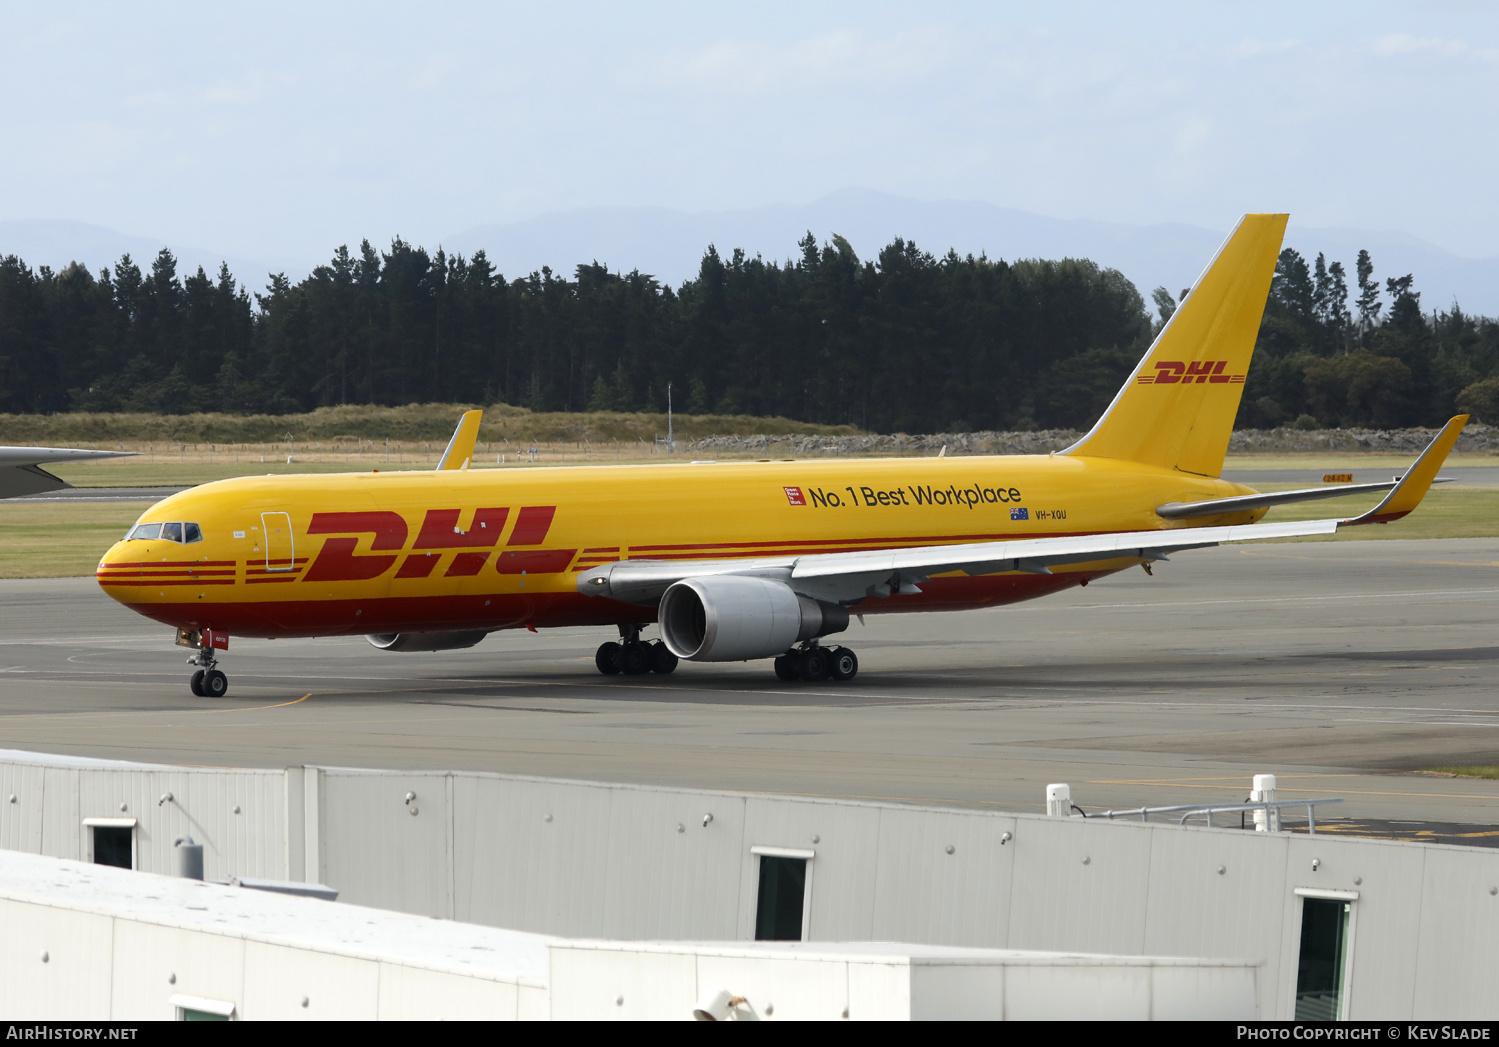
461,447
1407,494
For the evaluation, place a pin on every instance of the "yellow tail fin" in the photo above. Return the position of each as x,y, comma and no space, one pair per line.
1177,409
461,447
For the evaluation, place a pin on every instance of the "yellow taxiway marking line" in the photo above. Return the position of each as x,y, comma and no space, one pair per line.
1353,830
278,705
1276,599
1224,778
1350,792
154,712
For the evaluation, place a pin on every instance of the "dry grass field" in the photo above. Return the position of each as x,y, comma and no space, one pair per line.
1448,511
60,539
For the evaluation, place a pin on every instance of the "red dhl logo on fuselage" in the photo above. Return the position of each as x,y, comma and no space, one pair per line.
467,551
1174,372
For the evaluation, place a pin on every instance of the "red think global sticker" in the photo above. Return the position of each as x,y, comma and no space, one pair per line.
794,496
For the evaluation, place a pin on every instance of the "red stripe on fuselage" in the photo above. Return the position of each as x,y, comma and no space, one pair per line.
167,581
285,618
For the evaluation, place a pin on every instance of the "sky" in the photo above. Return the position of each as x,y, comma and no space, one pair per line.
282,130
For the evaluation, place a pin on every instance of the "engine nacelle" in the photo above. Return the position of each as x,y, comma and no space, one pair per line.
437,641
732,618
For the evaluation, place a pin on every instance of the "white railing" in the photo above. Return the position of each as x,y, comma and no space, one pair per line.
1271,809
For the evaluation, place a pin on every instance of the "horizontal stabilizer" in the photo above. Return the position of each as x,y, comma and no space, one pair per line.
1239,503
21,472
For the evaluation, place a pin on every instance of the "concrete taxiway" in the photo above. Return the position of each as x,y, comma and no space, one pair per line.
1341,667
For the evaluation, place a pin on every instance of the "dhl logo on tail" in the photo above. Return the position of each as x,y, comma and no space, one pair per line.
1172,372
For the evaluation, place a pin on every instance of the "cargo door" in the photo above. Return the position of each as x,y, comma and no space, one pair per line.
280,547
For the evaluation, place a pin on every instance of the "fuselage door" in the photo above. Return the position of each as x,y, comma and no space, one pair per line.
280,547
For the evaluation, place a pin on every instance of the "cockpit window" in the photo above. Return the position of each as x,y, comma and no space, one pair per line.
171,532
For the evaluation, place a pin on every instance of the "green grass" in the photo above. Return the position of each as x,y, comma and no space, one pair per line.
58,539
1466,771
1447,511
142,472
1349,462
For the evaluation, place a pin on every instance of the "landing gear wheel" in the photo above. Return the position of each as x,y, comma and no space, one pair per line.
608,658
815,664
786,667
636,659
662,660
215,684
196,684
844,665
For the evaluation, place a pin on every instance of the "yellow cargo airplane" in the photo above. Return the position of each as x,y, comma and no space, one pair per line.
734,561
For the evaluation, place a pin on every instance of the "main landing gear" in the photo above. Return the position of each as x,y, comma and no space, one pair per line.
633,656
207,682
815,664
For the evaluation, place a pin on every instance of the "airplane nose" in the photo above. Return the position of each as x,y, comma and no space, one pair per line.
118,569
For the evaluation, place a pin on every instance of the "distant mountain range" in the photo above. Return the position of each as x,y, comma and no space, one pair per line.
669,244
56,243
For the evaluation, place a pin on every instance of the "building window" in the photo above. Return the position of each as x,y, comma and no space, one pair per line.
1320,964
200,1009
782,897
113,845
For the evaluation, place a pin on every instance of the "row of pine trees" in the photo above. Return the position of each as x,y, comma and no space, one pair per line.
906,341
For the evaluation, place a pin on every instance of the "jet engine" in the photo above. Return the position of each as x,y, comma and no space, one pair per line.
436,641
733,618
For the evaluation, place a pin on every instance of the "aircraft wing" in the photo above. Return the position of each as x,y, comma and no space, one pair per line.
849,577
21,472
846,577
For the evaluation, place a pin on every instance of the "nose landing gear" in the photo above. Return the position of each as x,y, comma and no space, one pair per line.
207,682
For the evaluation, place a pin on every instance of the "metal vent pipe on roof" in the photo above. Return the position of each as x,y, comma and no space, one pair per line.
188,858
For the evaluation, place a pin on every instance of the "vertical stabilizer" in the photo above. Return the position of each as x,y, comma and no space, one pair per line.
1177,409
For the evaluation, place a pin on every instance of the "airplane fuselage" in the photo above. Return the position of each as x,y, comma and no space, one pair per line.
388,552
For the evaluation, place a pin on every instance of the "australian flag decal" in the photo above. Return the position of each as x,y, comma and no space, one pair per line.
1020,514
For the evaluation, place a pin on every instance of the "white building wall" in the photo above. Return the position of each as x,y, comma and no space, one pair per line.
1194,909
56,963
376,846
1458,907
585,859
530,855
916,879
665,874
